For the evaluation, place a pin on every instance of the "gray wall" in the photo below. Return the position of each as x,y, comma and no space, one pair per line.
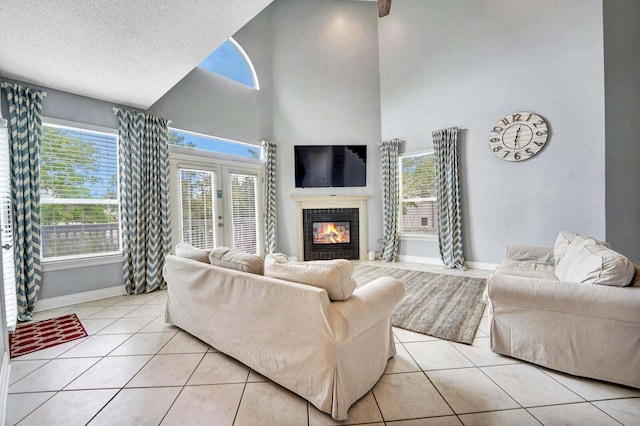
467,64
207,103
80,109
622,96
317,63
325,91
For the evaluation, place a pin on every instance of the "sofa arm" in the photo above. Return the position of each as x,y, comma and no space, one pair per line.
367,306
592,300
537,254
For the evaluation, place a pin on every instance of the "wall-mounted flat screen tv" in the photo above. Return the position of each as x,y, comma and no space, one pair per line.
322,166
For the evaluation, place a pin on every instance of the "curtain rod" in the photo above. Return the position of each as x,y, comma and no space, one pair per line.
42,92
115,111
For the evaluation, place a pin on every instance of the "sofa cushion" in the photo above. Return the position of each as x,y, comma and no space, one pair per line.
518,268
236,259
332,275
188,251
584,261
529,253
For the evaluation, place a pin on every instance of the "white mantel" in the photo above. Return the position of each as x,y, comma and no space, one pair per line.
305,202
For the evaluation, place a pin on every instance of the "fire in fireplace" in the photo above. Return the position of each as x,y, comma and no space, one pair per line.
331,233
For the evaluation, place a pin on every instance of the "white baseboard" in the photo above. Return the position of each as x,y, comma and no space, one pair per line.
436,261
420,259
482,265
75,298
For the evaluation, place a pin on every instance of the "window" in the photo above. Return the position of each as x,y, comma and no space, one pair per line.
6,231
78,192
209,143
231,61
418,209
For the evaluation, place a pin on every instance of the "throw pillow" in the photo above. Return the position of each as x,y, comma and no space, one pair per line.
636,277
332,275
188,251
564,239
236,259
587,262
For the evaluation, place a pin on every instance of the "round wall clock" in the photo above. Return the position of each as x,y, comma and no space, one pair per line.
518,136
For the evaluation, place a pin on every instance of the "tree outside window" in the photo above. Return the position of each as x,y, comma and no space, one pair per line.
78,192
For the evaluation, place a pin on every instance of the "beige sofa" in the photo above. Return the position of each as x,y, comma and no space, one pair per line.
586,324
329,352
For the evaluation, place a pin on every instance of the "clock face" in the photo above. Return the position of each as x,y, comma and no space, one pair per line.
518,136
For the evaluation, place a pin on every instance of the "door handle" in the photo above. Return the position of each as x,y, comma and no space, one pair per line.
220,225
7,246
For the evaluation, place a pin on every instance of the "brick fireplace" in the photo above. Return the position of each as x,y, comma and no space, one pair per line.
331,227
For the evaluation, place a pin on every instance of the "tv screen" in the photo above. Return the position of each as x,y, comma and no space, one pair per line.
318,166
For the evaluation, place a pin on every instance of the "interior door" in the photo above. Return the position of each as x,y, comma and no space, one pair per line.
6,225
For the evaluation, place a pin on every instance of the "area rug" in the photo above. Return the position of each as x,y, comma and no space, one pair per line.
449,307
34,336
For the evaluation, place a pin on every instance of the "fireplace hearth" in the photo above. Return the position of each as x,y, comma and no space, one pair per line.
331,233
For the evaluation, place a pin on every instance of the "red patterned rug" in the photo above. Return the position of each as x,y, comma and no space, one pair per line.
33,336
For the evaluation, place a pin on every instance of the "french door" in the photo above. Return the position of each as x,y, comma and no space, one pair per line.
217,204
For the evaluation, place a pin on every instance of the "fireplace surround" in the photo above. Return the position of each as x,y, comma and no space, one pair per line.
357,218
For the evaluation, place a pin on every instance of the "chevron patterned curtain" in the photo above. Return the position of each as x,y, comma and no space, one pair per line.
390,198
445,149
144,199
25,133
270,221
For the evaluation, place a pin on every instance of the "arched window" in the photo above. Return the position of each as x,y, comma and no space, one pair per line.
231,61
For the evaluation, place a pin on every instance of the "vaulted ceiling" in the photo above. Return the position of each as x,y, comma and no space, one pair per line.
127,52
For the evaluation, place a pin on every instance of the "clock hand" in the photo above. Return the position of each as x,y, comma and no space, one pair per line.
515,141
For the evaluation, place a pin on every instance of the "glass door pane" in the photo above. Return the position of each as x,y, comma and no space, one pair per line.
199,213
245,222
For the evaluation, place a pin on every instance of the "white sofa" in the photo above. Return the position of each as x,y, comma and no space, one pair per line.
329,352
586,324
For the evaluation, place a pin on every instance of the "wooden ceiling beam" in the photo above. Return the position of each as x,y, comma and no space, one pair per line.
384,6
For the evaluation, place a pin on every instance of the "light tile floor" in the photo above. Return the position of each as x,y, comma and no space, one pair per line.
134,369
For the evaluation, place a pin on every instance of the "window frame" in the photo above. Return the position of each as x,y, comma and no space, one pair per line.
247,60
93,259
216,154
412,235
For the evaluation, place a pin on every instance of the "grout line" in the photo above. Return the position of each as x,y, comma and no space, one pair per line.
377,405
43,402
235,416
106,403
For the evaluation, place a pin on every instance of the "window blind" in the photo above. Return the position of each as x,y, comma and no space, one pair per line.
6,222
78,192
198,208
246,230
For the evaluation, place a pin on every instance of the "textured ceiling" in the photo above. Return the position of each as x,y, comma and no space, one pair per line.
128,52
